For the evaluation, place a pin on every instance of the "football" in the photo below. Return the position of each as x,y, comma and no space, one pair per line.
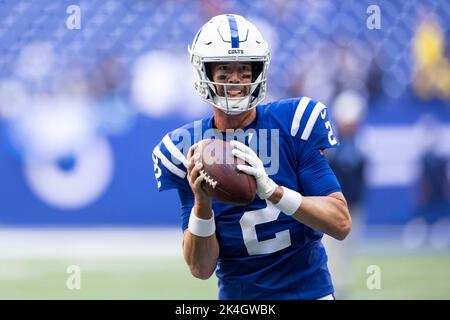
223,180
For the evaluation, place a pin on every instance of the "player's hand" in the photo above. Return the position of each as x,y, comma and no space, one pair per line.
264,185
194,177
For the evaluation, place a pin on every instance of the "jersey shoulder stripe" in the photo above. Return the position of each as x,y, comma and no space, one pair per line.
305,116
174,151
292,116
297,117
169,165
171,157
318,107
299,111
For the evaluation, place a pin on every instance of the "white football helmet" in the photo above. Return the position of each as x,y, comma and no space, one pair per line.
227,38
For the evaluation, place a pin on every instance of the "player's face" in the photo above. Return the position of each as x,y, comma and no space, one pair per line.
232,73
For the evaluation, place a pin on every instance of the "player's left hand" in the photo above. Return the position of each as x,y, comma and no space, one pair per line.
265,186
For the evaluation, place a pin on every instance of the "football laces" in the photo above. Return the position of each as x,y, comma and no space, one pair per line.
211,181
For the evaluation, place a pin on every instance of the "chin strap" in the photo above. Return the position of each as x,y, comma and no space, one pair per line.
233,106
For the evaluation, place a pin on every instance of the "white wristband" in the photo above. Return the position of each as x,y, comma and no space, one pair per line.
201,227
289,202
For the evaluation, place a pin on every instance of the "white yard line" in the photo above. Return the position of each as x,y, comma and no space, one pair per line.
90,242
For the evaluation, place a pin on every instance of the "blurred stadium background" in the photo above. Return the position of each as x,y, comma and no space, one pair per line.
82,108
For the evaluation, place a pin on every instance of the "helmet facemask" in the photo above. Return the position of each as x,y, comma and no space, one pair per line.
233,105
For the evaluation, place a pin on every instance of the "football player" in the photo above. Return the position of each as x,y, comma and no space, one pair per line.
271,248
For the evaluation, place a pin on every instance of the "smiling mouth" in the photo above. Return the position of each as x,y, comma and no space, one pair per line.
235,93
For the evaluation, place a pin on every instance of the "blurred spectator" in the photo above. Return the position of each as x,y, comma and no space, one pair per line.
347,161
348,164
432,67
374,81
432,207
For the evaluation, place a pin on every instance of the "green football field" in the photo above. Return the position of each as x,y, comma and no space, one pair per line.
402,277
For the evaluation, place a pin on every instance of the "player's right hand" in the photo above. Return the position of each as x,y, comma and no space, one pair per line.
194,177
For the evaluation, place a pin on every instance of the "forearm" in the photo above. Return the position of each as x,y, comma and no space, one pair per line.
201,253
328,214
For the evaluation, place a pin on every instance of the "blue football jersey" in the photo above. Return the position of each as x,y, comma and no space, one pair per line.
264,254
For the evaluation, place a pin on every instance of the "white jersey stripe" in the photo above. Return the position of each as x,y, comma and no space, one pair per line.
169,165
301,107
312,120
174,151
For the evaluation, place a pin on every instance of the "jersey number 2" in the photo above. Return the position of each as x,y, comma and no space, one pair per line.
248,224
331,138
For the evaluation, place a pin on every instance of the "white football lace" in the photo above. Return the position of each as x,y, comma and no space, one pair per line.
208,179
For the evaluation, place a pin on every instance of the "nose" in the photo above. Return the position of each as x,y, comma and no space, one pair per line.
234,77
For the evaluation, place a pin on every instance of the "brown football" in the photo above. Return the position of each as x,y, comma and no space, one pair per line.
223,180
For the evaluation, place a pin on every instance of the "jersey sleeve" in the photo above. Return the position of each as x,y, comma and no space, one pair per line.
169,165
316,176
313,132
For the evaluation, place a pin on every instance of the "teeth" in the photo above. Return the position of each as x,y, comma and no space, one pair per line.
235,91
